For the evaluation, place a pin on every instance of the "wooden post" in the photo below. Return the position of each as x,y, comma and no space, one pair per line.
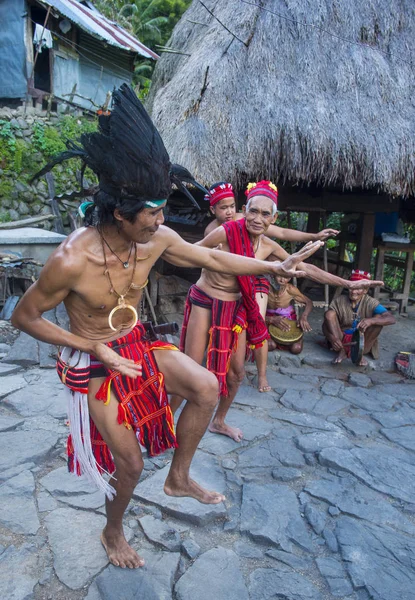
58,227
365,248
342,250
409,263
380,265
313,221
292,244
325,264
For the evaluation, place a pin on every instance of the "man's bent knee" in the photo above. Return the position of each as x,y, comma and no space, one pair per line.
206,390
330,316
129,468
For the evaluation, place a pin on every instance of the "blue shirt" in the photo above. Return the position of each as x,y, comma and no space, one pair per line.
379,310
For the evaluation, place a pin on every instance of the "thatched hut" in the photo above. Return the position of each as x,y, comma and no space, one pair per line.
317,95
332,102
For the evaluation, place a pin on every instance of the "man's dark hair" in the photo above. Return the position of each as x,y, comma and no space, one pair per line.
102,211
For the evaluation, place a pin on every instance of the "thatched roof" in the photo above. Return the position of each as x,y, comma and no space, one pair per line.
293,102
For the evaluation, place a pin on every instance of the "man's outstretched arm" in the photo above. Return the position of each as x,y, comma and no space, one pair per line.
292,235
316,274
183,254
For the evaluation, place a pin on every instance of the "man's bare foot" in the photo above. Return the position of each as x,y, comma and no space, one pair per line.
119,552
340,357
263,385
189,488
224,429
363,362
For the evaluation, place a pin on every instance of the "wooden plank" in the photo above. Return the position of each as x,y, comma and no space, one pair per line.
395,246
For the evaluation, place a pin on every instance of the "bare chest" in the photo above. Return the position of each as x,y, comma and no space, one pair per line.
101,286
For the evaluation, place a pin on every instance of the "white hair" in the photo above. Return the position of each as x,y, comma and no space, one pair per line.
274,206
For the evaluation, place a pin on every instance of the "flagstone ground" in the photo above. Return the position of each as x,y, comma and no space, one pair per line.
320,494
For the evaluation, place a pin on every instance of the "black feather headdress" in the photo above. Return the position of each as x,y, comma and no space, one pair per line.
127,154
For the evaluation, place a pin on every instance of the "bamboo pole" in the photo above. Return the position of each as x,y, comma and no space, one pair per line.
26,222
325,264
292,244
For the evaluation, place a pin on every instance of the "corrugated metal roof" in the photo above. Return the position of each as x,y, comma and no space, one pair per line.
94,23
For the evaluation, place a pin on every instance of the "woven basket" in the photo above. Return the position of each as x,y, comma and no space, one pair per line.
286,338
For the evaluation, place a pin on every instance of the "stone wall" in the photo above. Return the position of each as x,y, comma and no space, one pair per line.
28,139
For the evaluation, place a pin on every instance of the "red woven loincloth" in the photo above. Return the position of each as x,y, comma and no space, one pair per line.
228,319
240,243
143,403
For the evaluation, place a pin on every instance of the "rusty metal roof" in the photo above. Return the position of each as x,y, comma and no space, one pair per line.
94,23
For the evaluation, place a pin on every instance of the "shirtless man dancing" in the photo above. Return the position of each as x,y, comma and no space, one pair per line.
99,272
213,315
222,205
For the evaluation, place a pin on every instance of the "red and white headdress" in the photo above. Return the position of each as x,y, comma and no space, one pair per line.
219,192
262,188
357,275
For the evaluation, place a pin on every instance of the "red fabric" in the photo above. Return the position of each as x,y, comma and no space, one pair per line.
224,190
347,338
240,243
223,339
262,188
143,403
359,275
262,285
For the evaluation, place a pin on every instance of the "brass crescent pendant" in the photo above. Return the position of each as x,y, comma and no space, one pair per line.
121,306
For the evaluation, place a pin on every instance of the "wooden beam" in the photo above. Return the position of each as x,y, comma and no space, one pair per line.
303,201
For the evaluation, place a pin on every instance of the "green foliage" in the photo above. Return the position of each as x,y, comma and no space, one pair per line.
20,158
47,140
7,136
6,187
5,217
73,127
151,21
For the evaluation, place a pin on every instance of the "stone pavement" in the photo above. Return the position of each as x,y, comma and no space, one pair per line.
320,497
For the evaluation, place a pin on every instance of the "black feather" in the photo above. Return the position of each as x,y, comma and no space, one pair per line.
73,151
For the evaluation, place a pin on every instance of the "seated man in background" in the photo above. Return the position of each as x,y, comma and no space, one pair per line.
357,310
287,332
